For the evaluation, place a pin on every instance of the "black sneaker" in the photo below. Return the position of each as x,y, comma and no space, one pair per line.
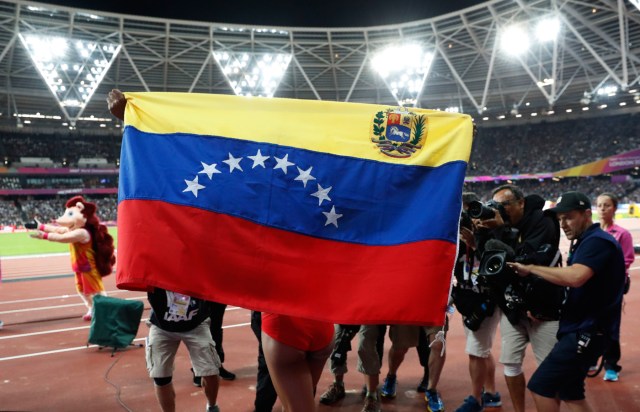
226,375
197,380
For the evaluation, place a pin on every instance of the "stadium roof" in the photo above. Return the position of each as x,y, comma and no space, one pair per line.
594,60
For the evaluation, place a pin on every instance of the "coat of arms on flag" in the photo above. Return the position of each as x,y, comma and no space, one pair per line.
399,132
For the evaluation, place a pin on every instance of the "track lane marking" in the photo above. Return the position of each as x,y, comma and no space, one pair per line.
35,354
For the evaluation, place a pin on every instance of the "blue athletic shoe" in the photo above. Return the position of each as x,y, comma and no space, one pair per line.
610,375
434,402
389,387
470,404
491,400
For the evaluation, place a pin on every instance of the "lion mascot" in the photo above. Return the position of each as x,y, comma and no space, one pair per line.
91,245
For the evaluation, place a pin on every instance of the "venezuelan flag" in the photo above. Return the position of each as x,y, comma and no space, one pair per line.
341,212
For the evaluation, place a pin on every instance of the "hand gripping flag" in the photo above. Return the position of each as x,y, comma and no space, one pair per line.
341,212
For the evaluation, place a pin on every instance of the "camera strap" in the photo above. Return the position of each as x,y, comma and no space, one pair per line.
556,259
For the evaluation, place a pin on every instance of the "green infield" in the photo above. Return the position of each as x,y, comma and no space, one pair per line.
17,244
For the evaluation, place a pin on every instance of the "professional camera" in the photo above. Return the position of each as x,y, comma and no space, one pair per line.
473,306
477,210
465,220
517,295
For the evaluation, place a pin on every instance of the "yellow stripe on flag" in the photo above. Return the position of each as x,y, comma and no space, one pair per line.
332,127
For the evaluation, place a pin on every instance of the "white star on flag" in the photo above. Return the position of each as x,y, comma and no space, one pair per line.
258,159
283,163
322,194
233,162
209,170
304,175
193,186
332,217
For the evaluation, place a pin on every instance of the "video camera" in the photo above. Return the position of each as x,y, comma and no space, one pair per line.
478,210
518,295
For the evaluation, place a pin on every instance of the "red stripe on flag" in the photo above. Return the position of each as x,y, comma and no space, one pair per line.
234,261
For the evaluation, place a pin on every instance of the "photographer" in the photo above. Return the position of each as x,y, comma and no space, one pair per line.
595,278
480,317
530,309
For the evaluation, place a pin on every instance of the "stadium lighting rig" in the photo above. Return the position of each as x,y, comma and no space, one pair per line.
253,74
71,68
515,39
404,69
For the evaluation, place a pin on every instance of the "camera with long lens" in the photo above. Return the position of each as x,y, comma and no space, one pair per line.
473,306
475,318
465,220
484,211
518,295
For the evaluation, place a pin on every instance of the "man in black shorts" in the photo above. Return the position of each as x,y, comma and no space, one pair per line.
594,275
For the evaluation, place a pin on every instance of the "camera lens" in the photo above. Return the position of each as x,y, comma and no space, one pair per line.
494,265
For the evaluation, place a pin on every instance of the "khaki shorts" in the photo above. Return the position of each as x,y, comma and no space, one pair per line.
480,342
542,336
404,336
161,348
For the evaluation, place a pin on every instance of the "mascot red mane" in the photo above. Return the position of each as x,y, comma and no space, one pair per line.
91,246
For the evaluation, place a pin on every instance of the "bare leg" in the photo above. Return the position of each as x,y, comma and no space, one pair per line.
436,363
166,397
579,406
210,385
490,374
516,385
396,356
291,375
316,361
544,404
372,382
478,373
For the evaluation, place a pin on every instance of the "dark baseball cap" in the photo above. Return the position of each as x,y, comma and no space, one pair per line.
571,201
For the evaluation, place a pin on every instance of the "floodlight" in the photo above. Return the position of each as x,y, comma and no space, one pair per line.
63,62
404,69
514,40
253,74
607,91
548,29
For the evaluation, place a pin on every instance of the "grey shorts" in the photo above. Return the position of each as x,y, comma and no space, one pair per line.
368,359
161,348
542,336
480,342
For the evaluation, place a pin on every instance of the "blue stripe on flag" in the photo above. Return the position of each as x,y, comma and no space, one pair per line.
322,195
